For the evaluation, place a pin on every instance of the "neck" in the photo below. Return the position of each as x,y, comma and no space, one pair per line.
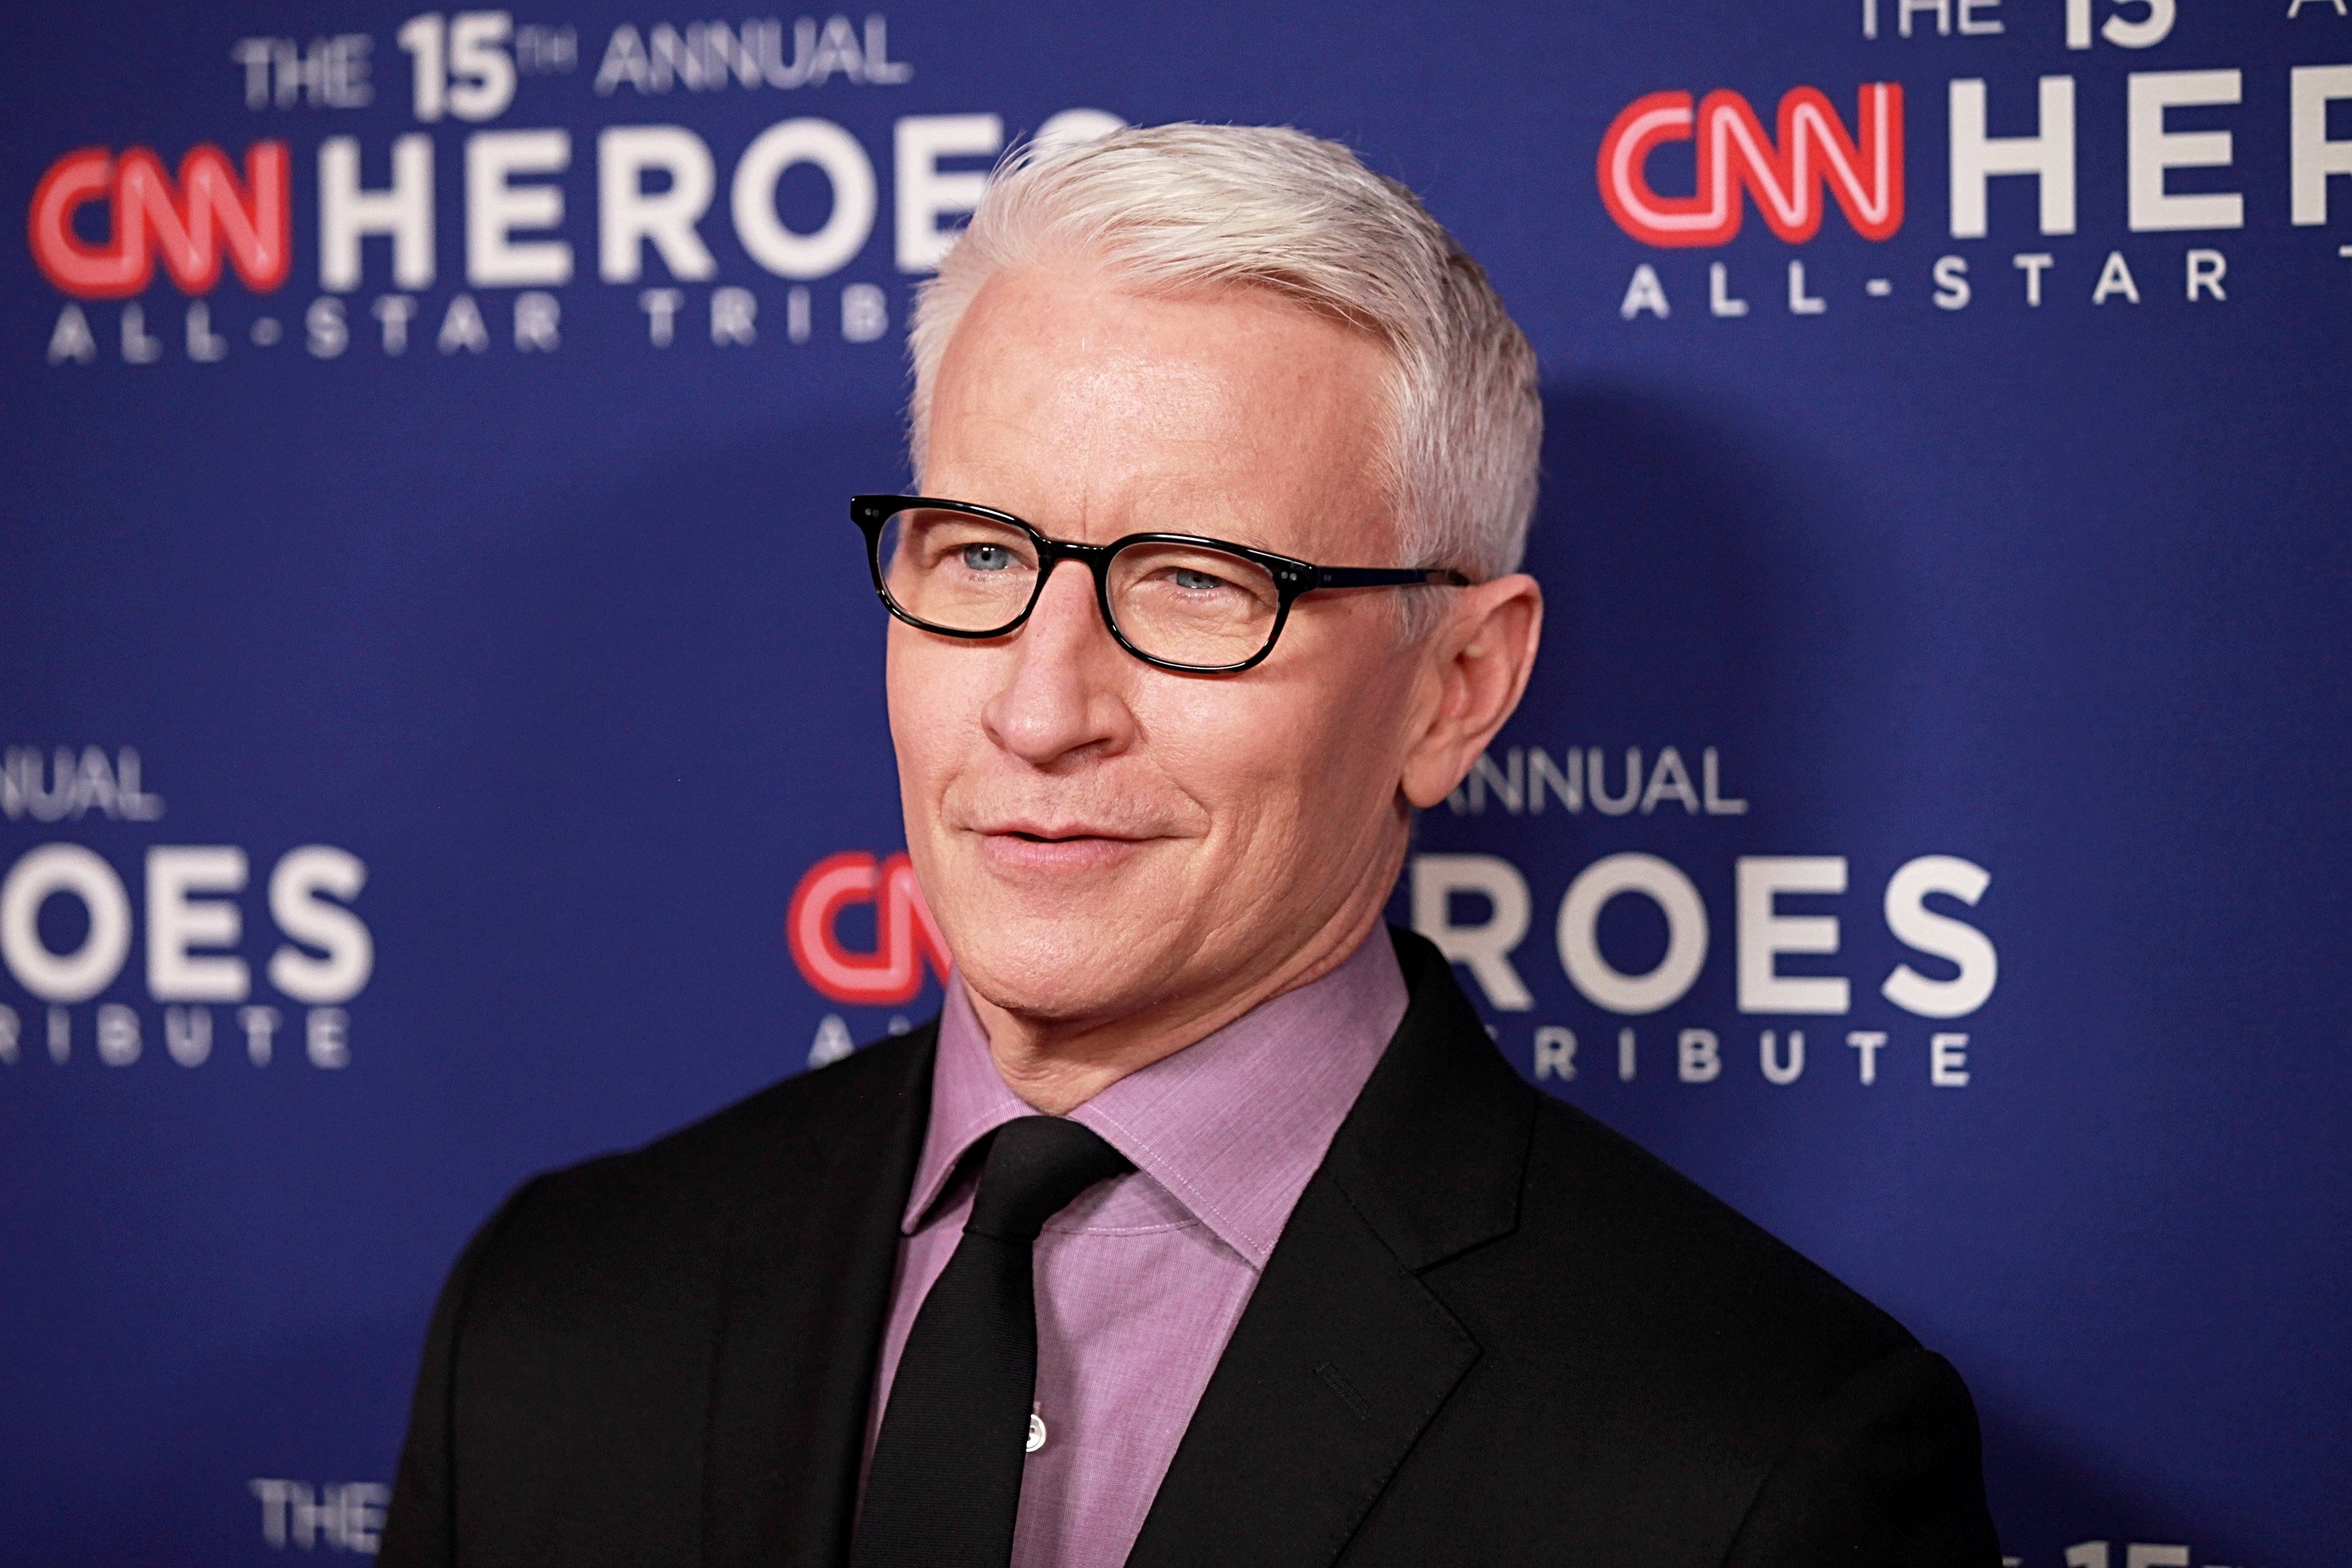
1056,1066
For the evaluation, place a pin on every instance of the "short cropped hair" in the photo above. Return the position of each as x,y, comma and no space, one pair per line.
1187,207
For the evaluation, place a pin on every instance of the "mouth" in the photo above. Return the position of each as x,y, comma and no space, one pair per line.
1063,848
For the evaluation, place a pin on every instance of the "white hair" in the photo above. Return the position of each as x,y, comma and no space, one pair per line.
1186,208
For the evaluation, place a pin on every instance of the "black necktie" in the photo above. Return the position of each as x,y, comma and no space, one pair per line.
945,1480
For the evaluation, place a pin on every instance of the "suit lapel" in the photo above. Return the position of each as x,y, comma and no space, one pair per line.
809,1275
1343,1354
1338,1362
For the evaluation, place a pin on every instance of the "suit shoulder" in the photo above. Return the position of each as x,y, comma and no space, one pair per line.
849,1097
1694,1232
1615,1248
693,1190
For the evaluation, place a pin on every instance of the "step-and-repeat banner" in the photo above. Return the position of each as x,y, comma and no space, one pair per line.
440,708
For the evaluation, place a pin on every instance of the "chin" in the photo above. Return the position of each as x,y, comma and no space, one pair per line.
1072,965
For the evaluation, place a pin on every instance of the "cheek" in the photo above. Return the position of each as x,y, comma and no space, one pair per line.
1275,761
1340,729
928,703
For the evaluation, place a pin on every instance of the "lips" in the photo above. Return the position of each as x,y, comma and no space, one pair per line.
1059,832
1065,847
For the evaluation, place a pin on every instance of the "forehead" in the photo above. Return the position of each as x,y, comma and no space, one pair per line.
1095,408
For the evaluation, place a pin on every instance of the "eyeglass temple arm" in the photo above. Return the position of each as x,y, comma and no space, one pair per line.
1387,577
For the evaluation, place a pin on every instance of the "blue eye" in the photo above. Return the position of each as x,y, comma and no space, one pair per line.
987,557
1197,581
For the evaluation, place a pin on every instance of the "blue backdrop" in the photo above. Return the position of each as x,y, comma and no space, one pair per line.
438,661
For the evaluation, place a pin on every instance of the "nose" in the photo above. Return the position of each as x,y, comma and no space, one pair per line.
1062,692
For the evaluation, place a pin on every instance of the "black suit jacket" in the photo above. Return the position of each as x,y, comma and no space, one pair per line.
1493,1332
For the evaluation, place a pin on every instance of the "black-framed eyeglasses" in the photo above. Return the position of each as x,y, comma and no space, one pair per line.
1203,606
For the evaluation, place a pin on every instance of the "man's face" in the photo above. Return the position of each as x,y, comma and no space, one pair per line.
1098,838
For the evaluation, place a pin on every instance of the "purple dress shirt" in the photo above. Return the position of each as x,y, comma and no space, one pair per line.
1141,1279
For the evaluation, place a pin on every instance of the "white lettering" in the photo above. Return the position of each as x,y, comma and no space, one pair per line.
188,1034
1670,779
1710,774
177,921
118,1035
865,312
260,1026
1555,1054
139,345
734,317
1917,926
1483,949
753,199
1764,934
1698,1055
326,1037
326,334
2206,269
70,339
926,193
1977,158
1799,302
300,889
1952,291
402,210
1869,1043
2154,150
2033,264
2114,278
660,306
462,327
1644,293
2312,158
1948,1061
1720,299
629,216
205,345
1940,9
1577,934
2145,33
42,873
496,207
537,318
395,311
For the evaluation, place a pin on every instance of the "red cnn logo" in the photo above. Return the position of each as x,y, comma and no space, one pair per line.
1864,171
906,935
190,222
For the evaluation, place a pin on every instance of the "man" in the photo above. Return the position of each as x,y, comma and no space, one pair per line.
1205,1226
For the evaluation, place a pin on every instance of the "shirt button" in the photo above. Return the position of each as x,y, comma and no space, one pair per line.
1037,1431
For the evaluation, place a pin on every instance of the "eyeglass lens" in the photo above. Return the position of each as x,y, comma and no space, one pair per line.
1186,603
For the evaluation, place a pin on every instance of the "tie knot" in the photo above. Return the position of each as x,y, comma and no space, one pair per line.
1035,1165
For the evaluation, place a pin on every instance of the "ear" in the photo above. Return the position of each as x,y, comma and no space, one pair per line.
1479,660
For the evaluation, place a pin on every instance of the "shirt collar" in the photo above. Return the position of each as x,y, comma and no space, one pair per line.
1233,1126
